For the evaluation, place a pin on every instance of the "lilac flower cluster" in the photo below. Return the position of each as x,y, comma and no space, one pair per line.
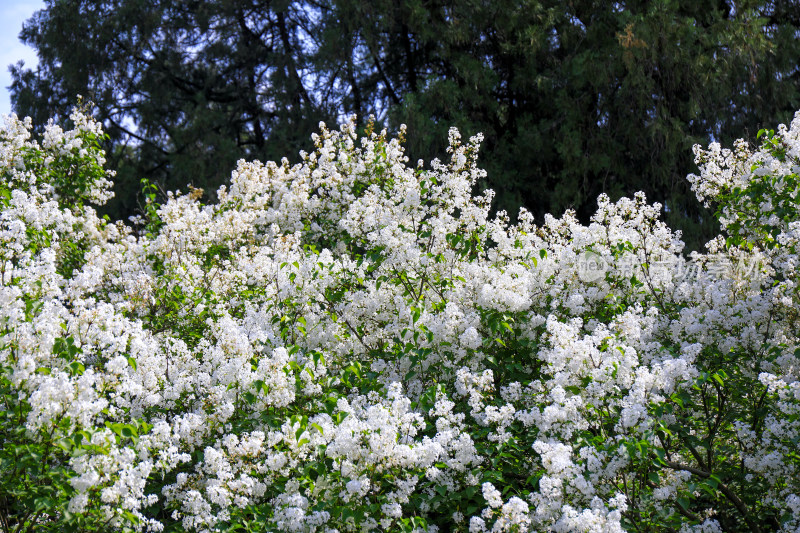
354,344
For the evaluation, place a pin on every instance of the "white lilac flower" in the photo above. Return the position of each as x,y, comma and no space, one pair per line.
353,343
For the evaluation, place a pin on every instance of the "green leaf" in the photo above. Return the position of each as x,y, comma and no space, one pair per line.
76,368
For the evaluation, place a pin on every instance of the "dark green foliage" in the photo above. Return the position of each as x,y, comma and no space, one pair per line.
579,98
184,88
574,98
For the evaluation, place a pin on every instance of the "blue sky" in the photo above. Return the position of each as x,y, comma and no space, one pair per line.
12,14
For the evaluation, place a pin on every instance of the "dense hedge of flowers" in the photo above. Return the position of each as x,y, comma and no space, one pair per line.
354,344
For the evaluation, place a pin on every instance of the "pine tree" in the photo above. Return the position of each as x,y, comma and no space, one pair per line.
573,97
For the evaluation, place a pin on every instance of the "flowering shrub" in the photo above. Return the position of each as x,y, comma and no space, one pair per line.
353,344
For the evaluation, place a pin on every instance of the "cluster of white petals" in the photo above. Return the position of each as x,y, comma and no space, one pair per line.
354,344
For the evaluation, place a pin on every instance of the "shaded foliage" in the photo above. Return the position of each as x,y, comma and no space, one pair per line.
574,98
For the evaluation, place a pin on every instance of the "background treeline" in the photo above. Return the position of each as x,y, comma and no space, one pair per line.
574,97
